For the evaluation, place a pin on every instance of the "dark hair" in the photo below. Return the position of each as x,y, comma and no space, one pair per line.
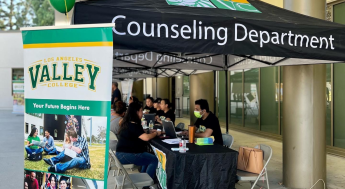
135,99
116,84
131,116
50,180
71,132
203,104
47,131
33,131
150,98
158,100
119,107
167,102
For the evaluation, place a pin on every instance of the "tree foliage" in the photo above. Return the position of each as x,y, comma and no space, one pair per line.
24,13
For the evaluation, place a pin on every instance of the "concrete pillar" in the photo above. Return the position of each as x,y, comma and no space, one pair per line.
304,114
201,87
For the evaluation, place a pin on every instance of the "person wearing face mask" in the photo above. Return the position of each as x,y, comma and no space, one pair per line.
207,123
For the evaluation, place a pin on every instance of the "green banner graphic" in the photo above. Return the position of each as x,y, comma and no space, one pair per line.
237,5
67,107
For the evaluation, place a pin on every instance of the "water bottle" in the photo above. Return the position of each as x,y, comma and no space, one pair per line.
151,124
182,146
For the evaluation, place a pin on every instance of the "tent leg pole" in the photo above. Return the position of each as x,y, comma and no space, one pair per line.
227,103
215,93
156,88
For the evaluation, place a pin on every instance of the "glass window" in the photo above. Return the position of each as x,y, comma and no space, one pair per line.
269,99
185,98
221,97
339,118
26,128
251,98
236,97
15,14
339,13
41,130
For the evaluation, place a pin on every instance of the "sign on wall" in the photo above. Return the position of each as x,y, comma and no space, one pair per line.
68,76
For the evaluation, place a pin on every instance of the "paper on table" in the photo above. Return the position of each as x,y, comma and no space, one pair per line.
173,141
179,132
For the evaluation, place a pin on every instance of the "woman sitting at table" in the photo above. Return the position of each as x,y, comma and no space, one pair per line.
31,148
116,118
166,113
132,146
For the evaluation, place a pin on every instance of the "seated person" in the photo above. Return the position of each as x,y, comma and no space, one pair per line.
49,140
31,181
133,99
157,105
149,108
82,161
31,148
207,123
166,113
116,117
132,146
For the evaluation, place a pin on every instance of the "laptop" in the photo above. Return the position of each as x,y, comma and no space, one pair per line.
149,117
169,129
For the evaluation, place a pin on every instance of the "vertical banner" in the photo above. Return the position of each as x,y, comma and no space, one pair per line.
68,75
18,96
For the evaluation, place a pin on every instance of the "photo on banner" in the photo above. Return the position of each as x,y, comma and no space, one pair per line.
67,88
34,180
58,139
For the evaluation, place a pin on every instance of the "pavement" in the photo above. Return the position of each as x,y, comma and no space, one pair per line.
12,162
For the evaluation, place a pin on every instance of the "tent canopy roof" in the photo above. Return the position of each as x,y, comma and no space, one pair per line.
234,39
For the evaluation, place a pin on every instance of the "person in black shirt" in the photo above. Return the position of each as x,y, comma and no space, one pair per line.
157,105
149,109
116,95
131,147
166,113
207,123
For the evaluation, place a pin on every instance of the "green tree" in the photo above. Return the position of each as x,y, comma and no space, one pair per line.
24,13
101,133
44,13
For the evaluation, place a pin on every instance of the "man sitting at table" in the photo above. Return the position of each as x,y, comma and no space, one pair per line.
149,109
207,123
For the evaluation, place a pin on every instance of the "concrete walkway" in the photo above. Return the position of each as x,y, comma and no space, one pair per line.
12,162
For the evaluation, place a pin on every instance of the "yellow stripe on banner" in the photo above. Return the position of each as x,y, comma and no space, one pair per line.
56,45
240,1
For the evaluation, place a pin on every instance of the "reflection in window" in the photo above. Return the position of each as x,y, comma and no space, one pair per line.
236,95
41,131
251,98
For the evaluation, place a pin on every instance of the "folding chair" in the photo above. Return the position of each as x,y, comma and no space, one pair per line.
228,140
112,165
125,180
180,126
245,176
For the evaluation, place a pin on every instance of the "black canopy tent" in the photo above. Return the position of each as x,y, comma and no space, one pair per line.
155,39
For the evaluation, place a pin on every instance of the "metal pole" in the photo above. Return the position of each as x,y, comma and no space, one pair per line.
227,102
156,87
215,93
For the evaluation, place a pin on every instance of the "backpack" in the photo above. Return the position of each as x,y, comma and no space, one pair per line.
35,156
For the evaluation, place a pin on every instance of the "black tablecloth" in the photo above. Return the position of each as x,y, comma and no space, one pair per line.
202,167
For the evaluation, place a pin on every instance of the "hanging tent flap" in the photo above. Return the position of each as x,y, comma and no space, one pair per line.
156,25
